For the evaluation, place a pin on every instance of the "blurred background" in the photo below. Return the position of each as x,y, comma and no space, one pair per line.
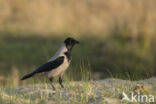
117,38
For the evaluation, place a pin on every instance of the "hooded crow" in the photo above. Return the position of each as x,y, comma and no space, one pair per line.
58,64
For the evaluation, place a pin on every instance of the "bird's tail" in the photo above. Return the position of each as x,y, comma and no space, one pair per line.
28,76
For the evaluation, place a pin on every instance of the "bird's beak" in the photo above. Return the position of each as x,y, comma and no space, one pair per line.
77,42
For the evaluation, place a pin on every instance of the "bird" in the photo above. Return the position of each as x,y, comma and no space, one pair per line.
58,64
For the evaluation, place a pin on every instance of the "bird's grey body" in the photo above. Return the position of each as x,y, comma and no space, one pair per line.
58,64
59,71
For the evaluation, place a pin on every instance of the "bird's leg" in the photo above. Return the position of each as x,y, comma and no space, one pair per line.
60,82
51,80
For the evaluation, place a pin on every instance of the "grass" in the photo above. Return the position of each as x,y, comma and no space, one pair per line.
10,94
57,97
86,92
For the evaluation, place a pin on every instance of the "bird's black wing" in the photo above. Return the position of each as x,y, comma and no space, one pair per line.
50,65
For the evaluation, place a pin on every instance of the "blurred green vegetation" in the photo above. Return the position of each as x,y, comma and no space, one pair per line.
112,56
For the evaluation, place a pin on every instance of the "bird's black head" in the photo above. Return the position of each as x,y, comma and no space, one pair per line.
70,42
